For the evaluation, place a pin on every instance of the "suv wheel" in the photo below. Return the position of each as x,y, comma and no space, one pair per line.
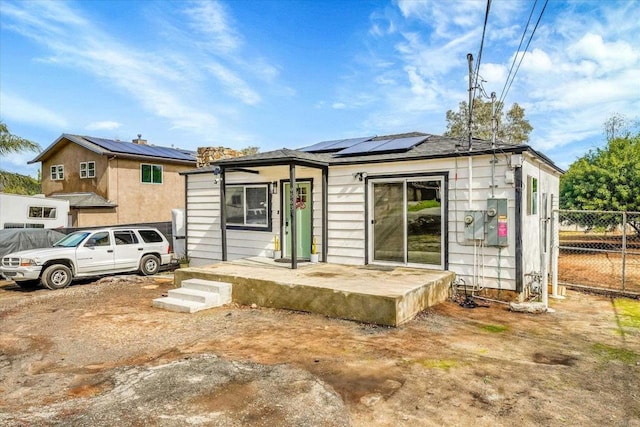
150,264
57,276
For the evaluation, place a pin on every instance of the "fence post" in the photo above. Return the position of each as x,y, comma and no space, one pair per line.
555,243
624,249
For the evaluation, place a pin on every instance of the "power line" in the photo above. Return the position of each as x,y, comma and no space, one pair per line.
484,30
506,89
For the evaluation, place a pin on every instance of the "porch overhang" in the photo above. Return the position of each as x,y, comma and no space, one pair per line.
284,157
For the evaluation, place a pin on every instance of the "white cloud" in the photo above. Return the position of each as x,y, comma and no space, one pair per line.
19,109
210,19
145,76
103,125
608,56
233,84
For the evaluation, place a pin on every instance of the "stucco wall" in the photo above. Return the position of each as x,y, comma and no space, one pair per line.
119,181
70,155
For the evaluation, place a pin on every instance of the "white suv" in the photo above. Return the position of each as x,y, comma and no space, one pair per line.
89,253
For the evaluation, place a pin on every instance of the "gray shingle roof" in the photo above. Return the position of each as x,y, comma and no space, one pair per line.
434,146
84,200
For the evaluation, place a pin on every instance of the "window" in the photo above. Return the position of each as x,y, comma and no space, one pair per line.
532,195
125,237
99,239
42,212
247,205
150,236
57,172
151,174
87,169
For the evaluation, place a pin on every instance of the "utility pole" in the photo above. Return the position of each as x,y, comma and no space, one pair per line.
470,122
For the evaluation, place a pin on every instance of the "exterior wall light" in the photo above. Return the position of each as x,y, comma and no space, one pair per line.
360,175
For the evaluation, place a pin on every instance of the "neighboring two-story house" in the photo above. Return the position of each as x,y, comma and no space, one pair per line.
110,182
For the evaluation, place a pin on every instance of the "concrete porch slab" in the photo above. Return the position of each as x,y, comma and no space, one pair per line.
382,295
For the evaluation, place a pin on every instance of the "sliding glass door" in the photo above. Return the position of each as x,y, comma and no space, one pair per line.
407,221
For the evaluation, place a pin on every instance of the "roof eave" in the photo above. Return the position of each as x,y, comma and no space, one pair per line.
71,138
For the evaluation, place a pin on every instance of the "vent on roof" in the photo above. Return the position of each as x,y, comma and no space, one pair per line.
139,140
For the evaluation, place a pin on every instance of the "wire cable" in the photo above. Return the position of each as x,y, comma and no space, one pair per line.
484,30
523,54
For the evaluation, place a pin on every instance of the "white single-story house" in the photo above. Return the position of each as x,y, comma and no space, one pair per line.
415,200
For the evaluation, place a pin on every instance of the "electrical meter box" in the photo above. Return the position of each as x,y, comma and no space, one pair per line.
497,224
474,225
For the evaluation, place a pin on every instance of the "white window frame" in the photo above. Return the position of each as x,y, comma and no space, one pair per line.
52,212
153,166
86,171
57,172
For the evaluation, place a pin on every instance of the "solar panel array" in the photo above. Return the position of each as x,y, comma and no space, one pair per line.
382,146
366,145
335,145
141,150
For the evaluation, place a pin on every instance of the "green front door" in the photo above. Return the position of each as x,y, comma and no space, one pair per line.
302,206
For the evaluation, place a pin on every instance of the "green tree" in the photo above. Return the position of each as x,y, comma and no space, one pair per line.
513,128
16,183
13,182
10,143
605,179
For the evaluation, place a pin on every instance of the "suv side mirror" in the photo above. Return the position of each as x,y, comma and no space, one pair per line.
90,243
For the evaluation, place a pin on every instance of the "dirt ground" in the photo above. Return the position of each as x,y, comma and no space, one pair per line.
98,354
599,270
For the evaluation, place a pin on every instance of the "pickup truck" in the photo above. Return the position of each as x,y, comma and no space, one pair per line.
89,253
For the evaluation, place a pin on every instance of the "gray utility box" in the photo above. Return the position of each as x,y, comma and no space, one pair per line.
497,224
474,225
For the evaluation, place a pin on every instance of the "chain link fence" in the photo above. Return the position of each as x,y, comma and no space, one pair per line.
599,249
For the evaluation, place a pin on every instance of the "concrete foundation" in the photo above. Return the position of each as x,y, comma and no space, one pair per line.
387,296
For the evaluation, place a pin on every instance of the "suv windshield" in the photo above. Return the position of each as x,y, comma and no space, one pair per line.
72,240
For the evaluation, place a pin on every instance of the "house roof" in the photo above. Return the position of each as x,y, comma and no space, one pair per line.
123,149
386,148
84,200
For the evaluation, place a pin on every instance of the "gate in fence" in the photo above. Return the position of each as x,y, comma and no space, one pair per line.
599,249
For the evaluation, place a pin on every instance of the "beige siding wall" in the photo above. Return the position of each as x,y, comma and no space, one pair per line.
471,181
203,215
203,219
548,183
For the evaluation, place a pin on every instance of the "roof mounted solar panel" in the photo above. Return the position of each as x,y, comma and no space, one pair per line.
139,149
400,144
383,146
335,145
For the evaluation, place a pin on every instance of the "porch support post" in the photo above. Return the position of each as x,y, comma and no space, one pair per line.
325,213
292,219
223,215
518,219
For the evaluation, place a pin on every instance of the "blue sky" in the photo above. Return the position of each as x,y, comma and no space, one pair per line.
291,73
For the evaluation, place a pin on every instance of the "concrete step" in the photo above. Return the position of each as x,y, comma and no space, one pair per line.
179,305
221,288
196,295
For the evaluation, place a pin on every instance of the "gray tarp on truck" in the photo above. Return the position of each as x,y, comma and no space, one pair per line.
20,239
